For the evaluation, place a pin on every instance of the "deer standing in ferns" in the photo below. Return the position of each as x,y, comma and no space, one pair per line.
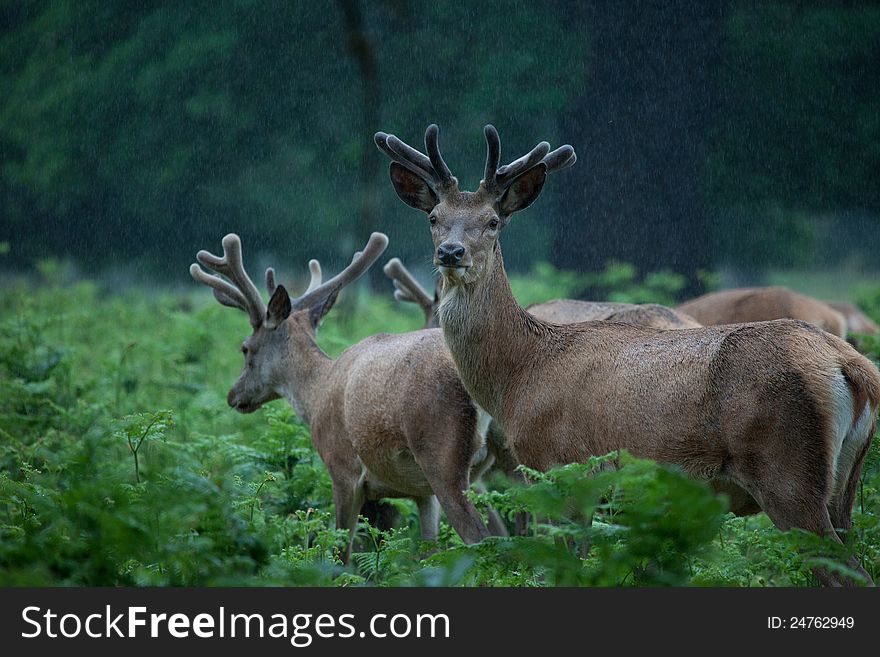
389,417
781,411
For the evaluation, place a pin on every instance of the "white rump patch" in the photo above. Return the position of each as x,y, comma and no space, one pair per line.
483,421
849,437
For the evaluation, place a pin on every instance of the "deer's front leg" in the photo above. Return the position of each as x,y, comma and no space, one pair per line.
507,462
348,497
348,479
446,466
496,524
429,517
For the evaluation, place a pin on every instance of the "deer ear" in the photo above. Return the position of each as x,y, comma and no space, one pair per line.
412,189
320,309
524,190
279,308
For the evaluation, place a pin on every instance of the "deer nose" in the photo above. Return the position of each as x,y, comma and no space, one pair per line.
450,254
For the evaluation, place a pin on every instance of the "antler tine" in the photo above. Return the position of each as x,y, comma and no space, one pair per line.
376,245
497,179
224,292
402,295
433,148
405,155
493,155
270,280
408,288
562,158
231,265
505,175
431,167
315,275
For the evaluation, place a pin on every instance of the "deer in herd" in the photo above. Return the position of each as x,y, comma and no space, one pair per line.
780,411
389,417
759,304
856,320
559,311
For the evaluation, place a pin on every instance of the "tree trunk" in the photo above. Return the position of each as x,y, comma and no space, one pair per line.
364,54
641,130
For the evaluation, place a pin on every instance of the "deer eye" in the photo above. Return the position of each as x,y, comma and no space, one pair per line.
493,223
432,219
244,350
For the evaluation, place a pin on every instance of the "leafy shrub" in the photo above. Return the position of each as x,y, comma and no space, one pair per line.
88,381
619,282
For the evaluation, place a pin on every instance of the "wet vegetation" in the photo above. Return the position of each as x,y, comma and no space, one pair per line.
709,134
121,464
719,142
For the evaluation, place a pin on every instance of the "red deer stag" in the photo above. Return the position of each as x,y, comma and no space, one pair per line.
780,410
759,304
389,417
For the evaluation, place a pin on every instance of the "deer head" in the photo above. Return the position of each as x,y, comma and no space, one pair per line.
267,351
465,226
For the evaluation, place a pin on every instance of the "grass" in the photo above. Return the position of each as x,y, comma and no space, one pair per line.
121,464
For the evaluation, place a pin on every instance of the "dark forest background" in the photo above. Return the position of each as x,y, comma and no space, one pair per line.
711,135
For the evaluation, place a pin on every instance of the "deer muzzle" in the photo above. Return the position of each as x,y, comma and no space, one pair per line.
450,254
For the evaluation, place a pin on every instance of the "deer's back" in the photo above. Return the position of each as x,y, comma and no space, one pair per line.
675,396
763,304
570,311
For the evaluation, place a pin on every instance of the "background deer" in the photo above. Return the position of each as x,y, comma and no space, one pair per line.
856,320
389,417
758,304
782,411
559,311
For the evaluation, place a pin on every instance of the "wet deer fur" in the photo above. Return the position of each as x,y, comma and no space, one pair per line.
759,304
389,417
780,410
857,322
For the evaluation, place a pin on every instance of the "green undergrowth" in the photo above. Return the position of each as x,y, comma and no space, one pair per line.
121,464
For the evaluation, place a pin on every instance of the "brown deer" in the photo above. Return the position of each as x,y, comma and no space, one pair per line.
573,311
559,311
758,304
856,320
781,411
389,417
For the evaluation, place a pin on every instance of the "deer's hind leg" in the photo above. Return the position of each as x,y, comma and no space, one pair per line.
429,517
841,504
507,463
800,502
850,458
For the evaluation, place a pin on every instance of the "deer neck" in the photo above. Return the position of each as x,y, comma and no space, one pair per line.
492,339
306,372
